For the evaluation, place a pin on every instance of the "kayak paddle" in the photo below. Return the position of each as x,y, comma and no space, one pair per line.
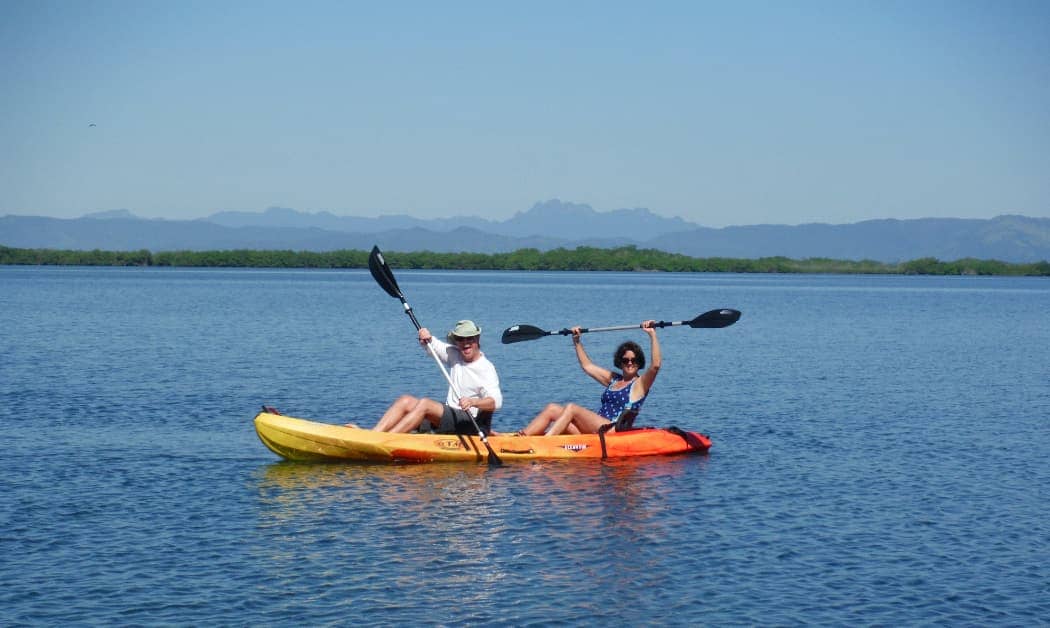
385,278
713,319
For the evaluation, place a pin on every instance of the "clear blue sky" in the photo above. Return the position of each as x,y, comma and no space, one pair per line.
721,113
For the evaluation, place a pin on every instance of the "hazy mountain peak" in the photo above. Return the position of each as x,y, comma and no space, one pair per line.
554,208
113,214
556,218
283,211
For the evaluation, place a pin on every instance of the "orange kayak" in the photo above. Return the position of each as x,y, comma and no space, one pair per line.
298,439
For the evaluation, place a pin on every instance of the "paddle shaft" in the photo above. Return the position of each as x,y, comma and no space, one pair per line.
712,319
585,330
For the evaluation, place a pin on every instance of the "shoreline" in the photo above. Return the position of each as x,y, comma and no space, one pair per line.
622,259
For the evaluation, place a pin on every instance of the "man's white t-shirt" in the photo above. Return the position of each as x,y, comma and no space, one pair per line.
473,379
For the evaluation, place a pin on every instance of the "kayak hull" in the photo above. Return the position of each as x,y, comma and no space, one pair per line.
309,441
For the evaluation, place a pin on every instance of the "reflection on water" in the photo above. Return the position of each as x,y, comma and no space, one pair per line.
404,528
288,487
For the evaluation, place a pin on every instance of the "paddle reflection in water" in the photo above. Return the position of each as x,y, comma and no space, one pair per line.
416,536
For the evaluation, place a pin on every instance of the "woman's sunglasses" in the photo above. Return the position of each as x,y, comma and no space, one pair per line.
628,361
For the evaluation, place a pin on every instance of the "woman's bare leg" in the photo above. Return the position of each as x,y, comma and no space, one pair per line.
586,421
542,421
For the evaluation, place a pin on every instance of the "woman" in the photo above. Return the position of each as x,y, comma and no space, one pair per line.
625,390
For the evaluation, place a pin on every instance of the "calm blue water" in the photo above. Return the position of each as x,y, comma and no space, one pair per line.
880,453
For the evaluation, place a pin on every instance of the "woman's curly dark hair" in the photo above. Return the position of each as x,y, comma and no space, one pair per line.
639,355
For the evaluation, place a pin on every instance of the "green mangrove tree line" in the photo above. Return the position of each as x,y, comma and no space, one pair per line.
626,258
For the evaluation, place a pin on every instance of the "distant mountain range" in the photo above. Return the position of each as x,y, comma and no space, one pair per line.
545,226
553,219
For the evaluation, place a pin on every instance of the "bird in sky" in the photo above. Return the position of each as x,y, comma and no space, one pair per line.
92,124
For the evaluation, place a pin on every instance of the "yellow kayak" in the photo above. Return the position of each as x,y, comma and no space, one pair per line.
299,439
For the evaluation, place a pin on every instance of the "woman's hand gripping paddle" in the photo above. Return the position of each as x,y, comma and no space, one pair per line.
713,319
385,278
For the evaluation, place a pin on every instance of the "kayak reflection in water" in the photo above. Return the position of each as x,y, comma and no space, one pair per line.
474,377
623,391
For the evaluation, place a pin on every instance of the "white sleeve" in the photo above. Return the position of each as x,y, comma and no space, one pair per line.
440,349
490,385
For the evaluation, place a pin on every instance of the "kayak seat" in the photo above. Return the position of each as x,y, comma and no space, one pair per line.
625,422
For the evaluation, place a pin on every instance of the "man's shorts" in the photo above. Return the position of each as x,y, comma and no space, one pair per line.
457,421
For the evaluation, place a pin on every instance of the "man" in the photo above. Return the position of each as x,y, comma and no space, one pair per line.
472,375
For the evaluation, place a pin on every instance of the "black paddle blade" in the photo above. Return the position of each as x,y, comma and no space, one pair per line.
521,333
494,460
715,319
382,273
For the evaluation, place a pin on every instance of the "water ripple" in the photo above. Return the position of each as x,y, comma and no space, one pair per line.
868,468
